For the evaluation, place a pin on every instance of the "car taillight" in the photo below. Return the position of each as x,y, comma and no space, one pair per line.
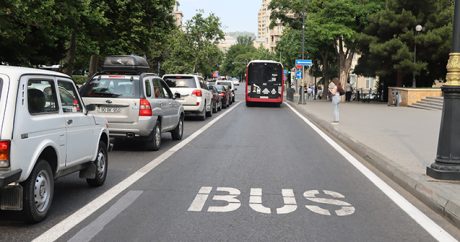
197,93
221,94
5,154
145,108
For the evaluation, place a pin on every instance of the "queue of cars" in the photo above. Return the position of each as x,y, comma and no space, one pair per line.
49,128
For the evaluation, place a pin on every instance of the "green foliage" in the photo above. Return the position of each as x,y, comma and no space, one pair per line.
195,50
69,32
389,39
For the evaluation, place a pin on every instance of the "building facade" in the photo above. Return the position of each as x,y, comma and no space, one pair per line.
178,15
266,37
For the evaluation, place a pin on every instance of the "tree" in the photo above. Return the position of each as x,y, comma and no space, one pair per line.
336,23
389,39
195,50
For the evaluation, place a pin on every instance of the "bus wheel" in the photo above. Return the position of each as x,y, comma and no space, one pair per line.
248,104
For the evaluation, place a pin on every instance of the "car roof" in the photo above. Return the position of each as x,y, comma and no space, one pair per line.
14,72
264,61
181,75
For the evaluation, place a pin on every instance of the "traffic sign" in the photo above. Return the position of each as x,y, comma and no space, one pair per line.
298,74
304,62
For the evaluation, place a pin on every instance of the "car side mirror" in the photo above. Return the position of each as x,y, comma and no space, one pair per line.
90,107
176,95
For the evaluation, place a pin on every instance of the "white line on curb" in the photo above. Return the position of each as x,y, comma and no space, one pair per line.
429,225
73,220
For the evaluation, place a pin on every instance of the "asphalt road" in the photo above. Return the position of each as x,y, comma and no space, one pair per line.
258,174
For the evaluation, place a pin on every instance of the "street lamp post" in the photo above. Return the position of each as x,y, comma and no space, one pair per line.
302,83
447,162
418,28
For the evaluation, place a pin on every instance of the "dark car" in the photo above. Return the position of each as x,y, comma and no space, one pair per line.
216,99
226,95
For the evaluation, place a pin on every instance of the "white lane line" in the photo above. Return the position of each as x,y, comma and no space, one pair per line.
73,220
92,229
429,225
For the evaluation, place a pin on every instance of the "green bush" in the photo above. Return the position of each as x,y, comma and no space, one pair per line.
79,79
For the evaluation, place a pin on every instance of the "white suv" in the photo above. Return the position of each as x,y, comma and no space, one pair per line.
194,94
45,133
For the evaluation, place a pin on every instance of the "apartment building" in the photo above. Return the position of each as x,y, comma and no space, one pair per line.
267,37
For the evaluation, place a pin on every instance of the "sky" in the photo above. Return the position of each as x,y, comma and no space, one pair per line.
235,15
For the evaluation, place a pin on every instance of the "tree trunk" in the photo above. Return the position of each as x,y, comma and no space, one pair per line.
69,63
399,79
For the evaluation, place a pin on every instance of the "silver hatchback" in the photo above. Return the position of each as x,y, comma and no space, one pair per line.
136,106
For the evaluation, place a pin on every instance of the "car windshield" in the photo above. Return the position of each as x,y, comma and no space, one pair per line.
108,87
226,83
220,88
180,81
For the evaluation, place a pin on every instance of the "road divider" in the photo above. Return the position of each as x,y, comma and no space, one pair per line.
77,217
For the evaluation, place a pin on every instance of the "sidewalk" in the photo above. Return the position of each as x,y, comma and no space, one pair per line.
399,141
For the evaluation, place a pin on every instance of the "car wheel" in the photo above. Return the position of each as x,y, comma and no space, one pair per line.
179,130
154,141
214,108
38,192
203,113
101,163
209,113
220,105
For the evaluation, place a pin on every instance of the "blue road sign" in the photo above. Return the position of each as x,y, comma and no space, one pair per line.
298,74
304,62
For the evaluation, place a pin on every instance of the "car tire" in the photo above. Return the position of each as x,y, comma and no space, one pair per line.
214,108
154,141
178,132
202,116
220,106
38,192
209,113
101,163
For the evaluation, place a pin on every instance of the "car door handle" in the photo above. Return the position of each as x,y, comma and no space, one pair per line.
69,122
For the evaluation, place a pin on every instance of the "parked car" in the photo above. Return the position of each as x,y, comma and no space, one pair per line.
230,86
195,96
236,82
137,104
46,132
216,99
226,95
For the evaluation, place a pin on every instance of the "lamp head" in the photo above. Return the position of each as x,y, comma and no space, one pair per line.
419,28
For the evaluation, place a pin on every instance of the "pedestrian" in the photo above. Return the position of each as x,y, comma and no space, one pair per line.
335,88
348,90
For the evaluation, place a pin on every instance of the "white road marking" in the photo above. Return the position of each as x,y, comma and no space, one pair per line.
345,210
92,229
290,204
255,202
424,221
67,224
200,199
231,199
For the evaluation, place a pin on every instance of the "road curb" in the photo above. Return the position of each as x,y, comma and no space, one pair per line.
417,185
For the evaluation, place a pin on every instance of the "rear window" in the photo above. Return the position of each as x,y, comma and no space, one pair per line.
111,87
228,84
220,88
180,82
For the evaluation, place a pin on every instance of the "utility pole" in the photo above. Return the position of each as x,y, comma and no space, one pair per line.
302,83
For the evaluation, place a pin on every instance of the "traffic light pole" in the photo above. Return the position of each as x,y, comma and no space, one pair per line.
447,162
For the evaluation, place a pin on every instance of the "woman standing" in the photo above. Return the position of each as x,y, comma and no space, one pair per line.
335,89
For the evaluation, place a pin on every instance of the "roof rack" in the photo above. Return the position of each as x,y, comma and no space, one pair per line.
125,64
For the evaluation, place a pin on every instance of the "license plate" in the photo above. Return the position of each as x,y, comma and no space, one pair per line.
109,110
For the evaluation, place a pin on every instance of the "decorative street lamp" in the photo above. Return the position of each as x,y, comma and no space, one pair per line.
447,162
418,29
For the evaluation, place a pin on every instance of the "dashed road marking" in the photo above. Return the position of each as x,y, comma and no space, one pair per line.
77,217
